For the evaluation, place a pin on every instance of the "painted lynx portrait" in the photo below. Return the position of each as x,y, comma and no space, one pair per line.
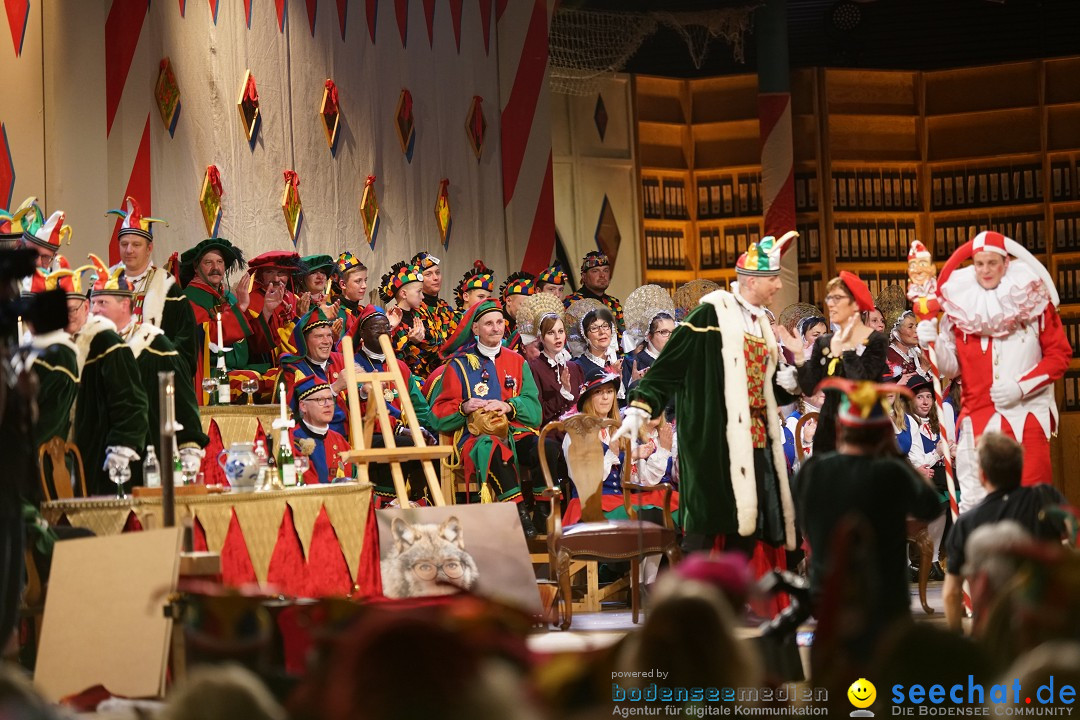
427,560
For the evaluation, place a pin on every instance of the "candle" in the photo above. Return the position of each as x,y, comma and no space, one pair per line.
281,389
20,330
221,345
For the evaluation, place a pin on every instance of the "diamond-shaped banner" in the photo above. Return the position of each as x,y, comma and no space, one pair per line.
369,211
608,237
167,95
443,217
210,200
330,112
600,116
291,205
7,169
476,126
404,124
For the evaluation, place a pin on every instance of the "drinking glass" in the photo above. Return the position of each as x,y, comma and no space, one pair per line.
249,386
209,386
120,476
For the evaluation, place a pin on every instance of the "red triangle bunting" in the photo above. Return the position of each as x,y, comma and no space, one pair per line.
213,10
17,13
247,12
122,29
401,9
280,6
342,10
485,20
183,7
455,18
372,8
429,18
312,8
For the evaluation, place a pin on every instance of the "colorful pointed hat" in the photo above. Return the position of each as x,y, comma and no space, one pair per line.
552,275
346,261
134,223
519,283
762,258
864,402
425,261
306,387
12,224
114,284
918,251
478,277
463,335
79,290
49,234
989,241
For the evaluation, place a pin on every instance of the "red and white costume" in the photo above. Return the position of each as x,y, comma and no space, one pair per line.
1006,343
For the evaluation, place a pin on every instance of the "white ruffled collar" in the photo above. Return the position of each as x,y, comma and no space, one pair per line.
1019,299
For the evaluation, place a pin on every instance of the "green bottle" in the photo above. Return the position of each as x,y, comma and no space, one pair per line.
286,464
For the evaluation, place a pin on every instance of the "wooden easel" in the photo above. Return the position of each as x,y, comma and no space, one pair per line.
362,453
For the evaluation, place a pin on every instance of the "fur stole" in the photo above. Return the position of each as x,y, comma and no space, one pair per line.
95,324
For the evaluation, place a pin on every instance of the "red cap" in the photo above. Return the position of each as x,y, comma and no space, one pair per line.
858,289
989,242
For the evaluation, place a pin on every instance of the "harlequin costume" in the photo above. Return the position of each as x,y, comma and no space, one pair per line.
57,370
371,360
111,407
721,365
421,357
439,318
591,260
269,333
1009,347
159,299
299,365
865,362
487,374
322,446
519,283
46,234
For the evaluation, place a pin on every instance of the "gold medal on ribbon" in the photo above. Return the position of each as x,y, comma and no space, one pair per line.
480,389
389,395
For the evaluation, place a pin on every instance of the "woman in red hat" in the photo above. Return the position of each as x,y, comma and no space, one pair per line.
853,351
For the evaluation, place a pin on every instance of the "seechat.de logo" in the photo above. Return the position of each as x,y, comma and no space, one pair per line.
862,694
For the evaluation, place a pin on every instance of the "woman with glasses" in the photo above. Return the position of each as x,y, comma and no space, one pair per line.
638,361
601,353
854,351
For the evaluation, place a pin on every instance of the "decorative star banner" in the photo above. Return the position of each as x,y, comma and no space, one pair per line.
291,205
369,211
210,200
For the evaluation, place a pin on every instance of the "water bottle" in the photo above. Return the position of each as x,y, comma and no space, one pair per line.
151,469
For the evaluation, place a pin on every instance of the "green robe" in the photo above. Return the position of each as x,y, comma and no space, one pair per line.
110,408
161,302
717,489
57,372
155,353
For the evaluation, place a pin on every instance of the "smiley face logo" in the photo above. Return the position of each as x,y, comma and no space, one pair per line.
862,694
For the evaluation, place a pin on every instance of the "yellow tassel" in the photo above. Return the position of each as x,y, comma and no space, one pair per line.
474,361
486,495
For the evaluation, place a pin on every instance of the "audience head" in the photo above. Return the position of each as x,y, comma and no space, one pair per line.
318,336
351,276
1001,461
758,269
874,320
660,329
596,272
811,328
552,334
864,421
597,395
78,309
315,401
210,261
477,285
430,270
373,323
989,258
112,298
135,237
488,324
903,330
404,285
598,329
551,280
846,296
221,692
316,280
513,292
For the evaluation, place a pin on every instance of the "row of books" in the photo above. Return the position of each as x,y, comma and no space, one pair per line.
806,193
808,243
666,199
1072,332
1067,232
969,188
721,247
876,190
883,240
665,250
1026,230
810,290
1061,181
885,279
1072,390
1068,282
729,196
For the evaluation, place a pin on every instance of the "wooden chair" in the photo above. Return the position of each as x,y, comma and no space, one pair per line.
799,452
918,534
58,451
597,538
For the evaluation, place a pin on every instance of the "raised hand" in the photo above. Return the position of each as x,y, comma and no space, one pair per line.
243,291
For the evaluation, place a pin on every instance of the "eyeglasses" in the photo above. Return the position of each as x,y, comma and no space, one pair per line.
664,333
427,570
600,327
320,401
831,299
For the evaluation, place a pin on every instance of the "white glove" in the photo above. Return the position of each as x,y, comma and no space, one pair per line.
118,457
191,459
927,332
633,421
787,377
1005,393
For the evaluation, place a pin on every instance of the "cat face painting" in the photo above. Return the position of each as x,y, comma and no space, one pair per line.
427,560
